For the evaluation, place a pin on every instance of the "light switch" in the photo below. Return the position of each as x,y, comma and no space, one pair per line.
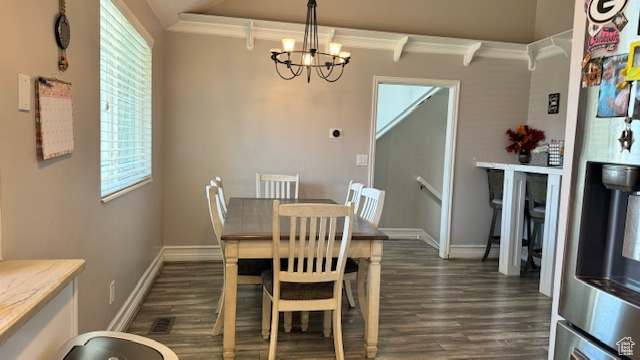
24,93
361,159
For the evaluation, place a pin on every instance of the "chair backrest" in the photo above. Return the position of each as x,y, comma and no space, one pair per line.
371,203
536,191
353,194
277,186
496,186
223,201
215,209
311,242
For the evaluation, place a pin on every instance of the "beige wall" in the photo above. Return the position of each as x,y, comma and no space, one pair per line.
228,114
52,209
413,148
553,17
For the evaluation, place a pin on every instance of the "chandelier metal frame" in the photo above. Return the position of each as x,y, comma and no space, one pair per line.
296,61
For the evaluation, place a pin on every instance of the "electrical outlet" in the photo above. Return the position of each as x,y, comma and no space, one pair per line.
112,292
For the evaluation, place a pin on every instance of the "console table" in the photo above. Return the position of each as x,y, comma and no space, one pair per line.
513,203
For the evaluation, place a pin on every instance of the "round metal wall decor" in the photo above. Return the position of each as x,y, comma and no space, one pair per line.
63,31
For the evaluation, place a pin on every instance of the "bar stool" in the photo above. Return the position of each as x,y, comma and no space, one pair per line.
537,196
496,186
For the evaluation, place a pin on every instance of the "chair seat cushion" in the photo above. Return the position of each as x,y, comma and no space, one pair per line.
253,267
298,291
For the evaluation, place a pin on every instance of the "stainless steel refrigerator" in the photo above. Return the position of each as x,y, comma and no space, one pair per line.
600,291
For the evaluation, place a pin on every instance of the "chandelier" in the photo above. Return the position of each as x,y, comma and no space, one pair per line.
291,63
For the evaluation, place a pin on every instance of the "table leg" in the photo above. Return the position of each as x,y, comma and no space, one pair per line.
363,263
549,235
373,300
230,296
512,222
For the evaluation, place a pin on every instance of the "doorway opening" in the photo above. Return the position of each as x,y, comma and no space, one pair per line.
412,152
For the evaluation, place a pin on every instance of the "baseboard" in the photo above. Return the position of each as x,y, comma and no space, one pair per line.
417,234
472,251
193,253
128,310
168,253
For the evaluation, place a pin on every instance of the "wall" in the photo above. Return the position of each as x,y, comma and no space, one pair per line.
415,147
551,76
52,209
228,114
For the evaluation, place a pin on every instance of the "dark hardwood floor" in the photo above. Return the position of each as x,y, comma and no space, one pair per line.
429,309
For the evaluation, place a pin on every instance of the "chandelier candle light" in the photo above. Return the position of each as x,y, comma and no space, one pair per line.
296,61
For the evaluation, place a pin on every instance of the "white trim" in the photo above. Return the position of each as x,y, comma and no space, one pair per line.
167,254
128,189
128,310
395,43
193,253
124,9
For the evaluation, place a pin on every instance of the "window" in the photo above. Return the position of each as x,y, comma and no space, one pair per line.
125,101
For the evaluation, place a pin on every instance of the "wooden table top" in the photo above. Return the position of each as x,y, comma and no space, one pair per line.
252,219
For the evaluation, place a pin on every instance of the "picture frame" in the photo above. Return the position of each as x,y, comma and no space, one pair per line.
633,62
615,91
554,103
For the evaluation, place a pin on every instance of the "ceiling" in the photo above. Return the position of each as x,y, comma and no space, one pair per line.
495,20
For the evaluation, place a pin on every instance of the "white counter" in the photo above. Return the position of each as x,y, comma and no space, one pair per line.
513,202
27,289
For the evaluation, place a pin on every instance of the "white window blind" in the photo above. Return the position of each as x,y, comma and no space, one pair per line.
125,100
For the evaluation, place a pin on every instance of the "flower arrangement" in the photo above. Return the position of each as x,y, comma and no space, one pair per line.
524,138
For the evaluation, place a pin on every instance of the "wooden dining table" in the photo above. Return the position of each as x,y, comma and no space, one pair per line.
247,234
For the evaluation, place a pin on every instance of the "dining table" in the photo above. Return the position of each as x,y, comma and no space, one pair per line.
248,233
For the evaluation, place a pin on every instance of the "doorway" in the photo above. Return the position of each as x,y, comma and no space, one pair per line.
419,181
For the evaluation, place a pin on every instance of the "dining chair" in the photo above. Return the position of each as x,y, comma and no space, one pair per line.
218,182
309,278
277,186
536,189
249,270
351,268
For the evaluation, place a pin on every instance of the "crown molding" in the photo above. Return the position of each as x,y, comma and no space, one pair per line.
395,43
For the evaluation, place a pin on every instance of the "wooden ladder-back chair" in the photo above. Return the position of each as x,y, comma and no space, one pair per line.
249,270
371,203
277,186
351,269
310,278
223,200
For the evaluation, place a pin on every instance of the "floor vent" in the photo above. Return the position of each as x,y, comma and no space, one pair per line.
162,325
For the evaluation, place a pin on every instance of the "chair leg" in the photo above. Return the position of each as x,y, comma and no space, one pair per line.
304,321
349,292
532,242
274,332
288,316
266,314
220,301
326,323
491,231
337,333
217,327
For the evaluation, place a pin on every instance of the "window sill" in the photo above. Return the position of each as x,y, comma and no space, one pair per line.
125,190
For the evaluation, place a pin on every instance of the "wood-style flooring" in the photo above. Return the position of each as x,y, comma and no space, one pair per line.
430,308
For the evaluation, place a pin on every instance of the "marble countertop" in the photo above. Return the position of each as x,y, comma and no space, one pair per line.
539,169
26,286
